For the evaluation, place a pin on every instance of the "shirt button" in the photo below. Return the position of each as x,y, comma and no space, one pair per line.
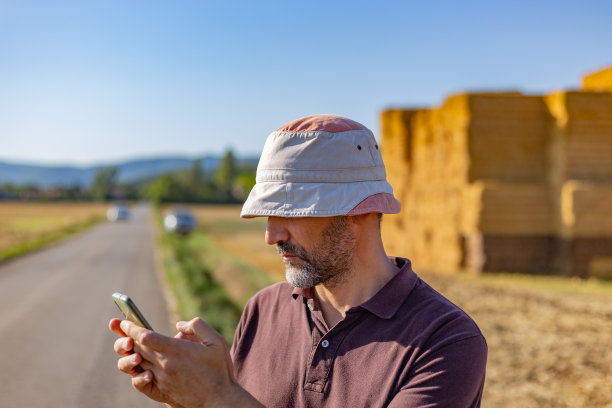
325,343
311,307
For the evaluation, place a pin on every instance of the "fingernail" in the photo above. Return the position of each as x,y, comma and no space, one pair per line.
124,325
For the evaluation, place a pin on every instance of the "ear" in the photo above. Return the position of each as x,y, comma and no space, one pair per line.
363,219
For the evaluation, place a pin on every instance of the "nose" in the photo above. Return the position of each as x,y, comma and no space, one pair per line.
276,231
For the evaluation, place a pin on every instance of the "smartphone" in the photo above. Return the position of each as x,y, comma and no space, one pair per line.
130,311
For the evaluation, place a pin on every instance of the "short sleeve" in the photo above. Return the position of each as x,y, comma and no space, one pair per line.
451,376
239,330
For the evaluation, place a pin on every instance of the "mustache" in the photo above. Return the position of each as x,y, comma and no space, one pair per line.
285,248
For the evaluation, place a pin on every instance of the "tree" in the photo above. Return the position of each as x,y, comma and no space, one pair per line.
166,188
104,181
225,176
196,181
244,184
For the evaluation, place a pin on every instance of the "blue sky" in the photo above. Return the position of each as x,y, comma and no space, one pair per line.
84,82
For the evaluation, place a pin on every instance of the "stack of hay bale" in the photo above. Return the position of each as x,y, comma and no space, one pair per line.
397,131
481,181
581,179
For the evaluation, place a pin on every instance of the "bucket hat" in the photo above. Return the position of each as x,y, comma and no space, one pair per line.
320,166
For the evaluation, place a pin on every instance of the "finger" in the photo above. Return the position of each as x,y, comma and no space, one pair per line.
200,330
145,337
130,364
145,383
187,333
143,380
114,325
124,346
180,335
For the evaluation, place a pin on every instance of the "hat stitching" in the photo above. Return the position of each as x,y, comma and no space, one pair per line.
318,133
273,174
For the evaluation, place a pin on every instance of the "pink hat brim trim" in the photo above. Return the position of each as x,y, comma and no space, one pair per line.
380,203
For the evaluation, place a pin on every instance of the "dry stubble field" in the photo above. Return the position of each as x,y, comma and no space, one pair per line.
26,223
549,338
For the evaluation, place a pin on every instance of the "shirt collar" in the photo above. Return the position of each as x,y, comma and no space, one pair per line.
388,300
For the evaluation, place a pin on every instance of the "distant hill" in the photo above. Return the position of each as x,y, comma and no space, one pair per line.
128,171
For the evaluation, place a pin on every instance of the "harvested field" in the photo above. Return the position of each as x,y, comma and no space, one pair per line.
24,223
549,338
243,237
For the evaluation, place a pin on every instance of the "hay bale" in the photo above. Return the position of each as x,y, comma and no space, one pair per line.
585,209
598,81
506,209
581,142
507,138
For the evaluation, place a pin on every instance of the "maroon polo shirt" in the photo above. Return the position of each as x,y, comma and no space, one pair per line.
407,346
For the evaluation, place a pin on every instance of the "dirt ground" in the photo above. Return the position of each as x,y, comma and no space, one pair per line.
546,348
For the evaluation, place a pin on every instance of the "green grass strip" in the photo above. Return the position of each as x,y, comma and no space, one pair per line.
196,291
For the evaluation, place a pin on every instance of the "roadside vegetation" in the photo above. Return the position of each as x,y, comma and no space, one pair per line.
205,279
26,227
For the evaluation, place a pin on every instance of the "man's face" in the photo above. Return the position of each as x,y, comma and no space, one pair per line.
314,250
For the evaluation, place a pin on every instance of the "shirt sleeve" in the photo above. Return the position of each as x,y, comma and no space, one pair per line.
239,331
451,376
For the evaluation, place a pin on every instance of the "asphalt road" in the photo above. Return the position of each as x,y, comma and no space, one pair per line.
55,304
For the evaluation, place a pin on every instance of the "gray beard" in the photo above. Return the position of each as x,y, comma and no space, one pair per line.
304,277
330,263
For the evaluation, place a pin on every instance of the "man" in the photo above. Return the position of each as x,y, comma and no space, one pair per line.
351,327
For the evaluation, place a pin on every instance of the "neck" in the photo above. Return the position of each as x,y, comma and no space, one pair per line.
371,270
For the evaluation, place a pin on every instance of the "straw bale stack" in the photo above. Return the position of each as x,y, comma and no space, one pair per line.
598,81
471,137
503,181
396,149
436,185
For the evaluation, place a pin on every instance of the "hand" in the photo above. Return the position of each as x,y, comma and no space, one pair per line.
141,380
192,369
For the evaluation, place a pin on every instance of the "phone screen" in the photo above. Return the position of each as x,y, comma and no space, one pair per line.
130,311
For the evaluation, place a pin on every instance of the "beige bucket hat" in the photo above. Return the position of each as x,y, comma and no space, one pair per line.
320,166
